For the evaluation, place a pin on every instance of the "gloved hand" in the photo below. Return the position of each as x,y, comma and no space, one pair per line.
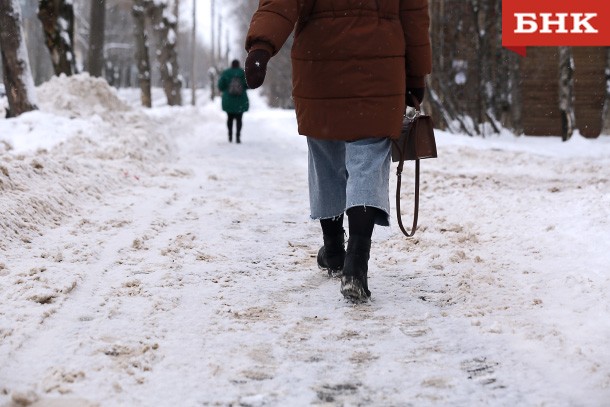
256,67
418,93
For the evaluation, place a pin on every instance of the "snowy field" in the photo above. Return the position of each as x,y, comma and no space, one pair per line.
145,261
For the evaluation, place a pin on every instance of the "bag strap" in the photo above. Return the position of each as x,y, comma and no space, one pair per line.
401,164
416,205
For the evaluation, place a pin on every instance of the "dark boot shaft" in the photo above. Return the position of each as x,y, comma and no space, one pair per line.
357,256
354,284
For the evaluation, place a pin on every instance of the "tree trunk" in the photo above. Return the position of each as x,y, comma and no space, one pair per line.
213,31
434,102
504,70
213,71
219,63
177,17
142,56
279,79
96,37
213,78
486,99
15,63
165,32
606,111
57,17
448,111
194,55
566,92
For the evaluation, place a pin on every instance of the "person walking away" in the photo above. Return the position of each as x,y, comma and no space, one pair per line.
232,84
354,64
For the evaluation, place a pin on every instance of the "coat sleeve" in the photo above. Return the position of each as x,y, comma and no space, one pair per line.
271,24
415,20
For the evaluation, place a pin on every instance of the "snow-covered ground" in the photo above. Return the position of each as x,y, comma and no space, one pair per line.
145,261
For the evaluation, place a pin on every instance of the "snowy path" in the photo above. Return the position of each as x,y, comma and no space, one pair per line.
196,284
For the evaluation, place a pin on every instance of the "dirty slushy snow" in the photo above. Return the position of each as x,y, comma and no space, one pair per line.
144,260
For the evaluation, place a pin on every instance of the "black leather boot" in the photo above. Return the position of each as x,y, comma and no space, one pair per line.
332,254
354,284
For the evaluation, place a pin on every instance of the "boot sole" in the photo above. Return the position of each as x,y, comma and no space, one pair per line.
352,290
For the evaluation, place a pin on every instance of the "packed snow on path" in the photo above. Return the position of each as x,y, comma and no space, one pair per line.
146,261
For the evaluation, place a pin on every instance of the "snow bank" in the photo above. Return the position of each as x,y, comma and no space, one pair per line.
80,96
83,141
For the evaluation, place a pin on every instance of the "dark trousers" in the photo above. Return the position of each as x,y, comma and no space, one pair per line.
234,117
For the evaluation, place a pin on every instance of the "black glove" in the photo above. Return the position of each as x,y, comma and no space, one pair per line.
418,93
256,67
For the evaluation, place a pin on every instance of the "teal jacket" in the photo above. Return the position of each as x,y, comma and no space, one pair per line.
233,103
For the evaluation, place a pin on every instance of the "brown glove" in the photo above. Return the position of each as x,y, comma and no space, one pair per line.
256,67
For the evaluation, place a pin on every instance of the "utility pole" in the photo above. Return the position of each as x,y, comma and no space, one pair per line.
95,56
227,48
212,26
219,36
212,70
194,52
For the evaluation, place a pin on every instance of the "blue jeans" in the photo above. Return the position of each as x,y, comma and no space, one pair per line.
344,174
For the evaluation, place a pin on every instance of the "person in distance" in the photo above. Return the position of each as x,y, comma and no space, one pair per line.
232,84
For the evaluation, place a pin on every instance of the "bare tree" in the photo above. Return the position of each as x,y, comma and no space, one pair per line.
96,37
475,82
120,68
279,79
446,86
142,58
606,111
505,73
57,17
478,11
213,71
242,15
194,56
164,27
213,28
193,50
15,62
566,92
278,83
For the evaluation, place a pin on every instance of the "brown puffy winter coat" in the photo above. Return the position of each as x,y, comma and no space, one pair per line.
350,61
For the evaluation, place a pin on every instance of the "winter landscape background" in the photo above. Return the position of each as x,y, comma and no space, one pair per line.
144,260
